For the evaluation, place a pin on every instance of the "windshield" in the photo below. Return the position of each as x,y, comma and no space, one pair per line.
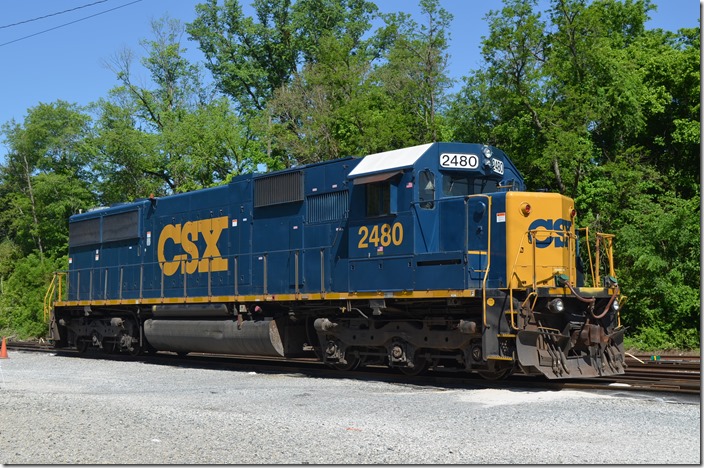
462,184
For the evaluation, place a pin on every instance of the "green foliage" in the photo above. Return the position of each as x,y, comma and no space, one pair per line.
591,104
56,197
45,178
171,137
414,74
22,299
248,59
661,271
9,254
356,97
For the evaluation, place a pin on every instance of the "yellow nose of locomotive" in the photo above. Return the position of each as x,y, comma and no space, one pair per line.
540,239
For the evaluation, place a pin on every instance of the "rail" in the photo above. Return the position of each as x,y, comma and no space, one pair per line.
678,374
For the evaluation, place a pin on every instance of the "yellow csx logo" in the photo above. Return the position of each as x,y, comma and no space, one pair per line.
186,235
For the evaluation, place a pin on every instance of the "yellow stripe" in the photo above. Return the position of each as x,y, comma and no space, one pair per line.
436,294
477,252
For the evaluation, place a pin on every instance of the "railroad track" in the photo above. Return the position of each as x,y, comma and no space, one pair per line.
673,374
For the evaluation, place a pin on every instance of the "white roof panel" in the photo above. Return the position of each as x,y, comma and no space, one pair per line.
389,160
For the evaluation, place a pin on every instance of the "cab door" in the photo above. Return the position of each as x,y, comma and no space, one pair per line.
478,216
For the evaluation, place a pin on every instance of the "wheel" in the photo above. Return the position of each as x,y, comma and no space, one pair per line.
108,347
499,374
81,345
420,364
135,350
352,363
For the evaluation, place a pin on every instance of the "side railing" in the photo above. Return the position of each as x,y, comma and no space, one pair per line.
604,245
109,283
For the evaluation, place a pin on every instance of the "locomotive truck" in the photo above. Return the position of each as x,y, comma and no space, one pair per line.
427,256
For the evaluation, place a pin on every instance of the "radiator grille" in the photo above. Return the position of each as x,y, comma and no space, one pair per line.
84,232
121,226
277,189
328,206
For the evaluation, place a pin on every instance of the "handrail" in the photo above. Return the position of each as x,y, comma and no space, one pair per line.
57,281
184,283
589,251
607,240
488,244
609,246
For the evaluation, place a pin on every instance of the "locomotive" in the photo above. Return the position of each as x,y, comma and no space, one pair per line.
431,256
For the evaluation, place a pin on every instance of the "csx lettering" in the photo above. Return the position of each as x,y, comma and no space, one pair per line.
186,236
562,226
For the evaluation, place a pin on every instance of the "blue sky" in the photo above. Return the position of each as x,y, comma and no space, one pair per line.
68,62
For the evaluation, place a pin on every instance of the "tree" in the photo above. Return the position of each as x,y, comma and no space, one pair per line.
332,108
251,61
45,178
248,59
415,72
173,137
593,105
355,97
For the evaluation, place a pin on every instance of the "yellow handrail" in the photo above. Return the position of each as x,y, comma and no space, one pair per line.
488,249
605,240
51,293
589,251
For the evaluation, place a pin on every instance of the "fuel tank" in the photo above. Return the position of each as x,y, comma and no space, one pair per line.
260,337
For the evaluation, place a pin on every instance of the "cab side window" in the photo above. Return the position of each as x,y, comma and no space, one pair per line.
426,189
378,198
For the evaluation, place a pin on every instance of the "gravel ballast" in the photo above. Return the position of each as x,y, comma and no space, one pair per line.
63,409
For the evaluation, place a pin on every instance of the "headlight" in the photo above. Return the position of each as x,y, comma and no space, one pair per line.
487,152
615,305
556,306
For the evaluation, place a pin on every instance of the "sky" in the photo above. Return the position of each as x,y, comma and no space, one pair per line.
63,55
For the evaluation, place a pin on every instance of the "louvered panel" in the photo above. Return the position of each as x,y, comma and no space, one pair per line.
327,207
277,189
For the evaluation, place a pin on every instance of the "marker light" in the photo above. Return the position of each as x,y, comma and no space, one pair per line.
525,208
573,212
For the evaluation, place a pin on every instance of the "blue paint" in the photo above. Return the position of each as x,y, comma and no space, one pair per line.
337,234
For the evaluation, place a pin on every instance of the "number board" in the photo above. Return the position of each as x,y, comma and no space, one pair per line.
459,161
497,166
383,235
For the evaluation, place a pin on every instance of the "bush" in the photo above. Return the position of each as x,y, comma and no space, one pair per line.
22,300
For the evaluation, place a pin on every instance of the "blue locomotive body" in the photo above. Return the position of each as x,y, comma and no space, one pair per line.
427,238
321,228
